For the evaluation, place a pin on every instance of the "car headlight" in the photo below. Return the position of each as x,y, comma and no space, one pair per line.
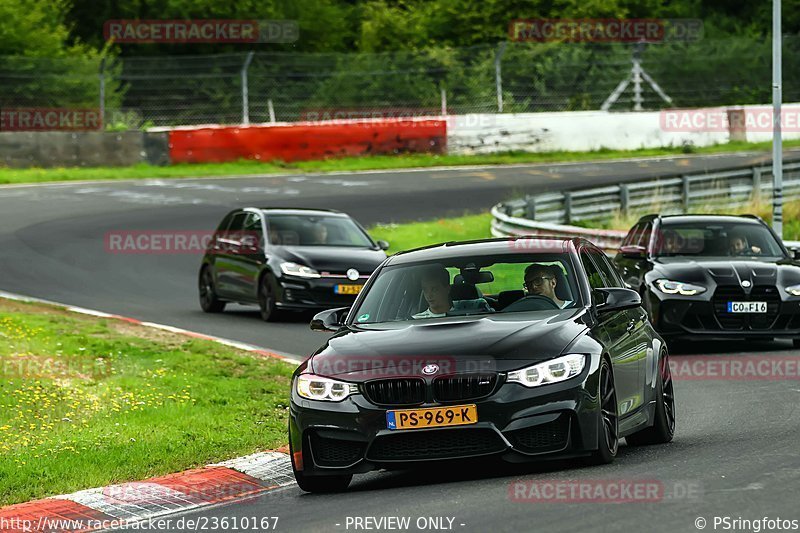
794,290
678,287
301,271
558,369
325,389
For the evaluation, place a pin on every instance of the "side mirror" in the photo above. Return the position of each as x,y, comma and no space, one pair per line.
383,245
330,320
795,253
617,299
634,251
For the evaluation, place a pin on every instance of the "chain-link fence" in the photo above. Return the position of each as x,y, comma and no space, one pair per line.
255,87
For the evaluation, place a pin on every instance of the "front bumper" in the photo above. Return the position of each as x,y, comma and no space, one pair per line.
314,293
707,317
515,423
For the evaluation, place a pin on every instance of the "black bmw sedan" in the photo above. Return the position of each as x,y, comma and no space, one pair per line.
285,259
522,349
713,277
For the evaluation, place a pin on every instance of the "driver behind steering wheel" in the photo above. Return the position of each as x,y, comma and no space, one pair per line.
541,280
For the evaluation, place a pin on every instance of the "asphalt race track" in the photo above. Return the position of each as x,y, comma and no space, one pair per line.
53,237
735,453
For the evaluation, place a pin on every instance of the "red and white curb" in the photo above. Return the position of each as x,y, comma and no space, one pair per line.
288,358
118,506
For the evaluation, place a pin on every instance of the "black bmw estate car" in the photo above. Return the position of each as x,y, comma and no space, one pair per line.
287,259
713,277
522,349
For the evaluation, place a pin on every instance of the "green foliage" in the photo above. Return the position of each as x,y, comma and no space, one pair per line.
41,65
401,54
35,29
384,25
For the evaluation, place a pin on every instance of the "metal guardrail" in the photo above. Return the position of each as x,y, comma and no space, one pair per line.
553,213
504,225
724,190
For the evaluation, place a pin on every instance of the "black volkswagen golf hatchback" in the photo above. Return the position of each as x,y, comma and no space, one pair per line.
287,259
713,277
521,349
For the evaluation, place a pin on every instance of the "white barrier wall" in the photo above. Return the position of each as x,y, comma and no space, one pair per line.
593,130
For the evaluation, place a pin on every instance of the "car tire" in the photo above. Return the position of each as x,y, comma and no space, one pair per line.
266,299
320,484
209,301
796,343
608,418
663,428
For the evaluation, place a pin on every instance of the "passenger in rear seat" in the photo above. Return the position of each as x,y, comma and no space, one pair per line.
437,292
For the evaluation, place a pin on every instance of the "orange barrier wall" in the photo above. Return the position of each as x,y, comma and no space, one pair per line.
305,141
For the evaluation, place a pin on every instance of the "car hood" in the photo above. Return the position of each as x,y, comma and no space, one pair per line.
486,343
334,258
727,272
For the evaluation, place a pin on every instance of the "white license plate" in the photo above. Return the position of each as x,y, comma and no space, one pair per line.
747,307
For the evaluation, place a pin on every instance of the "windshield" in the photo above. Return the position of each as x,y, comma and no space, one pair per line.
305,230
479,285
712,239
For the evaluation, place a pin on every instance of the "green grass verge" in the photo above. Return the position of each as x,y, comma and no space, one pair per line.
87,402
416,234
36,175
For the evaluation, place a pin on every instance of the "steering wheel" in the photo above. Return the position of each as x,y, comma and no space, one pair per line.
531,298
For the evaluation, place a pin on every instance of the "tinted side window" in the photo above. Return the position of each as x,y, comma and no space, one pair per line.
225,222
252,229
607,271
644,239
592,273
237,224
633,235
252,224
